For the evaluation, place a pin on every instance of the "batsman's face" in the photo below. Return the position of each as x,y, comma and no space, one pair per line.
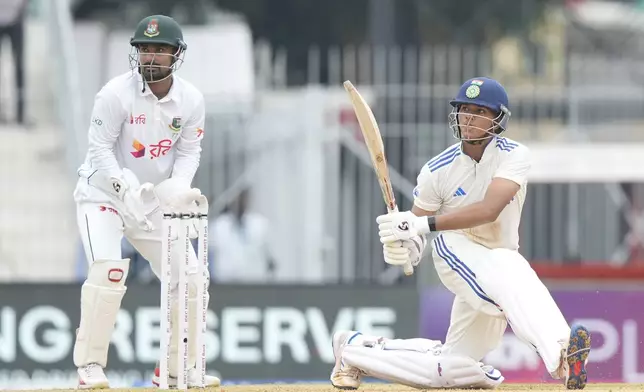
155,61
475,121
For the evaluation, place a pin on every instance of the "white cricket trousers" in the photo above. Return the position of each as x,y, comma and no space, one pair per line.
102,230
494,287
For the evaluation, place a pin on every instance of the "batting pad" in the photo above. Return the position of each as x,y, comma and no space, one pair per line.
421,370
101,297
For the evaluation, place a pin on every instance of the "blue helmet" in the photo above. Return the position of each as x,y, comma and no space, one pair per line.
483,92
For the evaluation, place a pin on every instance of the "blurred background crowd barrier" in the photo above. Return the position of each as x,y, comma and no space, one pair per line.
293,195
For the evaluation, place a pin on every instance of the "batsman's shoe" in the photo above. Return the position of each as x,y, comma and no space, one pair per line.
193,379
92,377
577,357
344,376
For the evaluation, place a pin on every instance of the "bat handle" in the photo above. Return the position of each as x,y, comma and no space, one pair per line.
407,268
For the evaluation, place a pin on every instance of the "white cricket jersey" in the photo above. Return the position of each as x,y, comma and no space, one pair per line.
452,180
154,138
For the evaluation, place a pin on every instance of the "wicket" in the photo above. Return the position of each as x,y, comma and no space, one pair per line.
178,225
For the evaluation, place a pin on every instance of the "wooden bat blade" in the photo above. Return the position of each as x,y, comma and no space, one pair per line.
373,140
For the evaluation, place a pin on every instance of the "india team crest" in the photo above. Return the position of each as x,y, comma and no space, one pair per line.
473,91
176,124
153,28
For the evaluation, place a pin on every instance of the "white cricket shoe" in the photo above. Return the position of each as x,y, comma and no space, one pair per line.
92,377
193,379
344,376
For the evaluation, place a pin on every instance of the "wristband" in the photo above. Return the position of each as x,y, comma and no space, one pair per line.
431,222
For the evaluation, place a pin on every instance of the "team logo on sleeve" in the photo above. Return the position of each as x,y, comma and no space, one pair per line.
176,124
199,132
153,28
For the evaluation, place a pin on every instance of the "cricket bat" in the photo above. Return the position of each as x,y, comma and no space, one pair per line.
373,140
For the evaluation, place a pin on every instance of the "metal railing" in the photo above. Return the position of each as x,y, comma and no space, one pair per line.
411,90
411,87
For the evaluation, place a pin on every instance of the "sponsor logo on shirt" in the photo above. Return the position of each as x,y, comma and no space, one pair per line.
139,149
160,149
140,119
157,150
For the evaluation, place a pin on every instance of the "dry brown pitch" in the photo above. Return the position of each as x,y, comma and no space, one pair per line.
374,388
397,388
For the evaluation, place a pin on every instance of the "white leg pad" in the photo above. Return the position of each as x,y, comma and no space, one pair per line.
421,369
101,297
192,326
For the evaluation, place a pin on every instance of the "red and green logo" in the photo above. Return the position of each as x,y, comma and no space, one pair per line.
153,28
176,124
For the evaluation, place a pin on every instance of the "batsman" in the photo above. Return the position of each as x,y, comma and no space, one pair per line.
144,147
469,198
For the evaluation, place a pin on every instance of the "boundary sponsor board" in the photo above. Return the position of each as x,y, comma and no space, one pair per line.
612,316
254,332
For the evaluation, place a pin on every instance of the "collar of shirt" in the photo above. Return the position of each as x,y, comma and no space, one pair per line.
487,153
173,94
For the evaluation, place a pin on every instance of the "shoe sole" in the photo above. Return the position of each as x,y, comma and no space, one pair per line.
344,388
104,385
576,356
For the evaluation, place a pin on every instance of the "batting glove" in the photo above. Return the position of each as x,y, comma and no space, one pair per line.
400,226
395,253
416,248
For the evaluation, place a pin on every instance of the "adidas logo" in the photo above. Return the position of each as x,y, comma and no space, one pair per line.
459,192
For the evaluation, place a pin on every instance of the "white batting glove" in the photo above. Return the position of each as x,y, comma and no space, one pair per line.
416,248
400,226
395,253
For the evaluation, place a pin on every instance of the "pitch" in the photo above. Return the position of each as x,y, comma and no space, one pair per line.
372,388
397,388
